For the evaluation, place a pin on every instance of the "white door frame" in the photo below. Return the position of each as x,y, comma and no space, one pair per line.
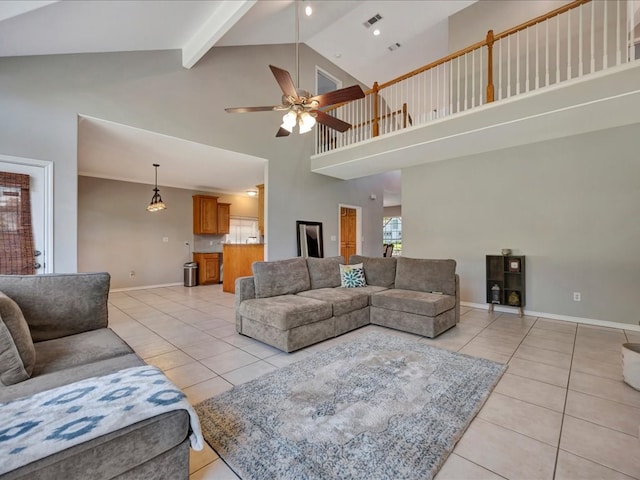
47,203
358,228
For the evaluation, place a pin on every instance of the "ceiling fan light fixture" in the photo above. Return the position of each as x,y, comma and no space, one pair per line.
289,121
156,203
306,122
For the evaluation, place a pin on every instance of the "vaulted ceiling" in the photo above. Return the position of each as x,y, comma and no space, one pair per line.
336,30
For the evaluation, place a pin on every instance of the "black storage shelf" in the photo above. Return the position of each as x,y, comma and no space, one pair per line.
508,273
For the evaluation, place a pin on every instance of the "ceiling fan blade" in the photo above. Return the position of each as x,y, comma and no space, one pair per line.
250,109
284,80
331,122
282,133
338,96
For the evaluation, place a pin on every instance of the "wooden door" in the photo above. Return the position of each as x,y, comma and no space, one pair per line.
347,232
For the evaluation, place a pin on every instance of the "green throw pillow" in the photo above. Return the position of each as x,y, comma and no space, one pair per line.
352,276
17,353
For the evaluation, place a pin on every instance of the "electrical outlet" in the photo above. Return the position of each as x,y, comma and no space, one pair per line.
165,239
186,244
132,273
577,296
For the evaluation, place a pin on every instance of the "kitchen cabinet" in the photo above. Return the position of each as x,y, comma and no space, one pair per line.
208,267
205,214
223,218
210,216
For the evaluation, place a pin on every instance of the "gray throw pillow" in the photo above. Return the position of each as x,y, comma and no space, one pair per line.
17,353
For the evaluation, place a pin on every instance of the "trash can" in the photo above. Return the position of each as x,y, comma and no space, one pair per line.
190,274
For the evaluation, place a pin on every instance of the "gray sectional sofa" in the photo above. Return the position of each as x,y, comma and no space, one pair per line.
293,303
67,316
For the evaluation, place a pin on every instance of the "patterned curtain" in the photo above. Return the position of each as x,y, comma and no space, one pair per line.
16,232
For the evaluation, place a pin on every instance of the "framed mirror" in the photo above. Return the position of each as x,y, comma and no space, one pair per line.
309,239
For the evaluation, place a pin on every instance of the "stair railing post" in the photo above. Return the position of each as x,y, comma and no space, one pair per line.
490,66
376,130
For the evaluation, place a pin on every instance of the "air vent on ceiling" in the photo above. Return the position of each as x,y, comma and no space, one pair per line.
376,18
394,46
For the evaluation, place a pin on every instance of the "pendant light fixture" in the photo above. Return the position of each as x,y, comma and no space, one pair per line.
156,201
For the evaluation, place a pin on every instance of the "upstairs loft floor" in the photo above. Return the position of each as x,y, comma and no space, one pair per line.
599,101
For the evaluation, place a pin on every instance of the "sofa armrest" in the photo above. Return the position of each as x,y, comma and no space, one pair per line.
57,305
245,290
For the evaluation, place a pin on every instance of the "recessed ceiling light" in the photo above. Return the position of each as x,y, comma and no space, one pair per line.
338,55
308,10
376,32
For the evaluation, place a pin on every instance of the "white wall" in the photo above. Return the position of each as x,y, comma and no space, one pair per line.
569,205
41,96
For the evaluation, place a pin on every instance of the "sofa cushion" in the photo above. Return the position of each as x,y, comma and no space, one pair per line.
60,304
78,350
341,299
280,277
285,312
352,276
426,275
17,354
324,272
411,301
378,271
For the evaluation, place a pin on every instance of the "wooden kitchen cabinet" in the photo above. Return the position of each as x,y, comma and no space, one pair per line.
205,214
208,267
224,210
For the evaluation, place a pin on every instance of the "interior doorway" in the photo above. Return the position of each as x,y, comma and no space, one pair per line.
41,198
350,231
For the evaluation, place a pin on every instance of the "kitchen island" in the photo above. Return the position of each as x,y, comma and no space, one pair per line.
238,258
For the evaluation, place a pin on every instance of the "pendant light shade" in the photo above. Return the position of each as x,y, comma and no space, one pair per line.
156,201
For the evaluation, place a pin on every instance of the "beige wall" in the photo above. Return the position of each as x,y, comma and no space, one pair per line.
117,234
569,205
393,211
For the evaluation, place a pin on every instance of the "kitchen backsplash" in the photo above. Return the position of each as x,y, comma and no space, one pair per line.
208,243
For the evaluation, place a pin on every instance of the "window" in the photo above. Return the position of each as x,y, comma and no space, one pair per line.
243,230
392,233
325,82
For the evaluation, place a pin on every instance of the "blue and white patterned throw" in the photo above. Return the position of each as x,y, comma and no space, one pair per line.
48,422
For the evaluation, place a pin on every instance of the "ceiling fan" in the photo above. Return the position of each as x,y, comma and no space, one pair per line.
303,108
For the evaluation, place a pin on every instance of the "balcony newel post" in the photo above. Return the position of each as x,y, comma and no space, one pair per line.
490,41
376,131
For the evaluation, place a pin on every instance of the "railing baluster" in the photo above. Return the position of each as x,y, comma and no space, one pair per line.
466,83
517,63
499,70
526,83
593,37
558,49
509,66
546,55
580,68
537,58
618,52
569,75
605,56
458,93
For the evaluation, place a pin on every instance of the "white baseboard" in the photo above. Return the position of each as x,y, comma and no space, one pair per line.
553,316
145,287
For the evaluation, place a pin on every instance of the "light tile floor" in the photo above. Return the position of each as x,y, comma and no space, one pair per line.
560,411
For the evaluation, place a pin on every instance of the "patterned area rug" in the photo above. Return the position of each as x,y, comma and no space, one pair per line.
377,407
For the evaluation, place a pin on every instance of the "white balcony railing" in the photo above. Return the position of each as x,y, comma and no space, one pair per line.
581,38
